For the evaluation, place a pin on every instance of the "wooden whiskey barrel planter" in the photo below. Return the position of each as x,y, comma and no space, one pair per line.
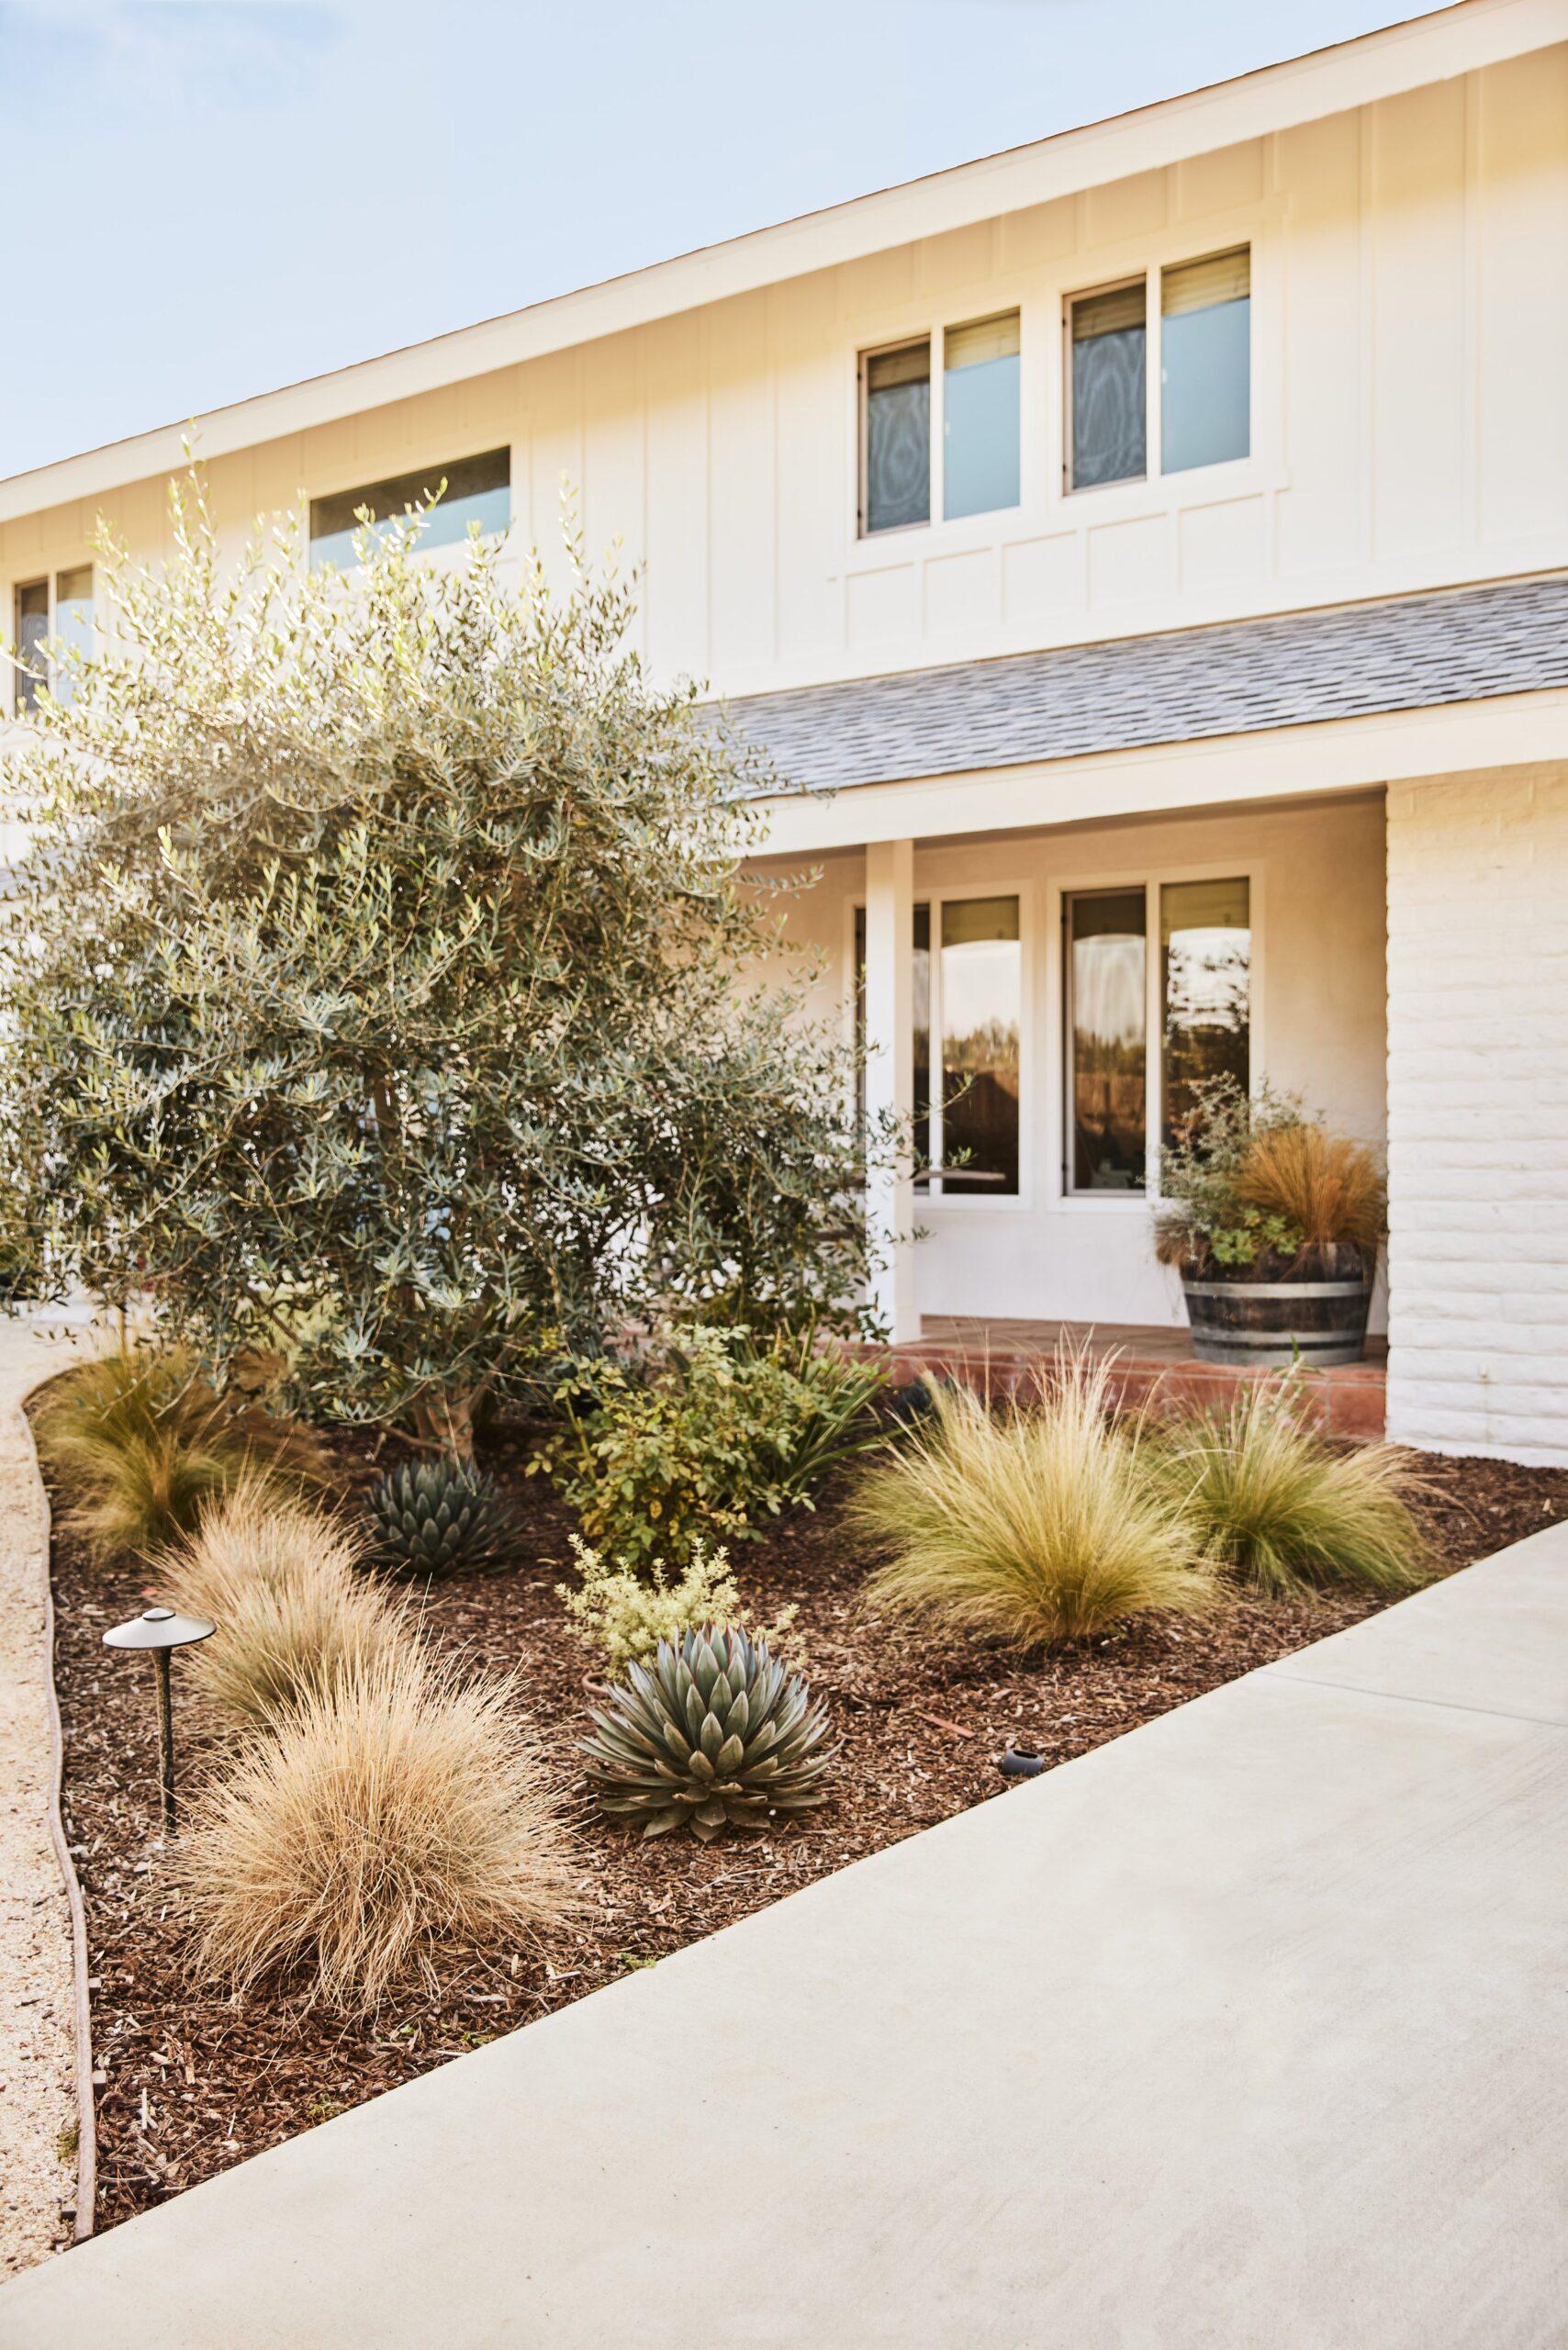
1266,1325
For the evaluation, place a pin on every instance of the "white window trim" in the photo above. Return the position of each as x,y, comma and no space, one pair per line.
1152,878
932,1200
1154,473
935,339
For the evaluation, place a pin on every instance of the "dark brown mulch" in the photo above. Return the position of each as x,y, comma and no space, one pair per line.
190,2083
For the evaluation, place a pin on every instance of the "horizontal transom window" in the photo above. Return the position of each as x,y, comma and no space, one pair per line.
477,489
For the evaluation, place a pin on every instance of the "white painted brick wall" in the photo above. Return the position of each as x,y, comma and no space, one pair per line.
1478,1113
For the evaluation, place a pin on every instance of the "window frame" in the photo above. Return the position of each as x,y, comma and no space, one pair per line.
1070,302
1151,879
931,1194
935,336
1152,276
50,579
458,451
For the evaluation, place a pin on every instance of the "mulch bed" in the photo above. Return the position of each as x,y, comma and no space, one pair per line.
190,2083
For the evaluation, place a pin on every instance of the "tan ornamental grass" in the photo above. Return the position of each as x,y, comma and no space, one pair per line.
141,1443
400,1814
285,1587
1286,1513
1035,1524
1331,1189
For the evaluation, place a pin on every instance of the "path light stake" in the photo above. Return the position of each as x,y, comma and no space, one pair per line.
160,1629
1019,1761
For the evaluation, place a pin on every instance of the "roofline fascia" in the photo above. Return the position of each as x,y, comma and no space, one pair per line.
1453,41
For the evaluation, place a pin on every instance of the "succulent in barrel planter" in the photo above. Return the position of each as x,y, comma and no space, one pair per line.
714,1733
429,1517
1274,1223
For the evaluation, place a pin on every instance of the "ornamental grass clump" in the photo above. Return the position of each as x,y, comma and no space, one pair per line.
1285,1515
716,1733
625,1614
1326,1187
1032,1524
143,1444
295,1614
398,1815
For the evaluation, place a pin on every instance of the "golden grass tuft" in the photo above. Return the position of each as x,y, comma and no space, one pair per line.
398,1815
1036,1525
284,1585
1280,1511
143,1444
1329,1188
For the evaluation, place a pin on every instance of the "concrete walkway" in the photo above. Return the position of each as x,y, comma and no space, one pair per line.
1248,2028
38,2047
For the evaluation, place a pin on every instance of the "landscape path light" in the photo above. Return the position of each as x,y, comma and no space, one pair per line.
160,1630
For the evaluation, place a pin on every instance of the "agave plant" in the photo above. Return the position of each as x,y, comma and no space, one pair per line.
429,1517
715,1733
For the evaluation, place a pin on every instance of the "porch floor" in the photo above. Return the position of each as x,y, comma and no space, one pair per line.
1154,1365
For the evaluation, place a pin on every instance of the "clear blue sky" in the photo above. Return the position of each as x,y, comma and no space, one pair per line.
209,197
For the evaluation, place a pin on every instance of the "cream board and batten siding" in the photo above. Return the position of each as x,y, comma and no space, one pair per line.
1478,1113
1410,344
1317,885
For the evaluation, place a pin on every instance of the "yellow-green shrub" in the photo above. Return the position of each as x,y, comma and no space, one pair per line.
626,1614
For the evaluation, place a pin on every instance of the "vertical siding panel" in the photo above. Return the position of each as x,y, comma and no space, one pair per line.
677,499
742,515
1319,523
1419,320
1523,296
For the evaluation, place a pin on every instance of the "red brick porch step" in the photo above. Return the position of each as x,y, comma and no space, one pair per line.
1152,1366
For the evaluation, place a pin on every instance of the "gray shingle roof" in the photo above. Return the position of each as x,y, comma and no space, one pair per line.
1461,644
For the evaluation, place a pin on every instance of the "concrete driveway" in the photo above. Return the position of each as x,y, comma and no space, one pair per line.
1248,2028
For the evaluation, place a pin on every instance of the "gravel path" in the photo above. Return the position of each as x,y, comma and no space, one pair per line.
37,2105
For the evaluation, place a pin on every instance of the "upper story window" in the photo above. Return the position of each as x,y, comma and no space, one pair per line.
980,394
1110,385
1205,361
1205,392
898,437
61,608
979,415
478,490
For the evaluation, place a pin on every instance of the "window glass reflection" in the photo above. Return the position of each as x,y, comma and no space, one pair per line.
1108,1012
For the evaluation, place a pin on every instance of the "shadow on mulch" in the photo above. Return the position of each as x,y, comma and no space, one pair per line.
191,2083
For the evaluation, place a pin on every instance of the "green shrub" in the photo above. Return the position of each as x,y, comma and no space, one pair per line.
294,1616
715,1436
715,1734
143,1444
626,1614
1283,1513
1035,1524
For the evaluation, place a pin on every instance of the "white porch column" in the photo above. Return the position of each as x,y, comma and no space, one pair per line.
889,1074
1478,1113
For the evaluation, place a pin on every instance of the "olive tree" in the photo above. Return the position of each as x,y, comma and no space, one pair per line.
370,996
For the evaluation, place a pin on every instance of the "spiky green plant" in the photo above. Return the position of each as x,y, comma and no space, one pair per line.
1035,1524
716,1733
1281,1511
432,1516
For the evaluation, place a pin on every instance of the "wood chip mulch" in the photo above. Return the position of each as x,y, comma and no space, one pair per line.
190,2083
